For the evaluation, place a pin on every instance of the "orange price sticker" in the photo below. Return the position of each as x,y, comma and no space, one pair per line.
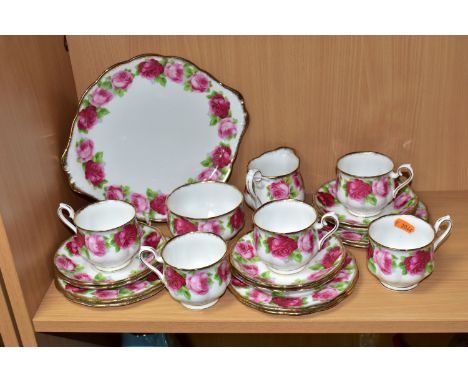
404,225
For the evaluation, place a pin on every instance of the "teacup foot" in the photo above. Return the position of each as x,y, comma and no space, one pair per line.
362,215
283,272
200,307
114,268
399,289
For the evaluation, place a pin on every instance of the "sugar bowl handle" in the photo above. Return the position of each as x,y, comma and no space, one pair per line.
323,222
253,176
448,221
71,214
403,168
145,249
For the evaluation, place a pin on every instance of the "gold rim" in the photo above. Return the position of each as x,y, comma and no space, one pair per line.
63,159
270,151
204,218
376,243
116,284
284,201
364,152
194,269
355,244
295,287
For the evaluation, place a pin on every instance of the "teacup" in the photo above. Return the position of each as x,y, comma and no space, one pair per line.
109,231
196,268
401,249
286,234
273,175
207,207
366,182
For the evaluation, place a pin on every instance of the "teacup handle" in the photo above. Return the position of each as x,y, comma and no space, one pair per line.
253,175
444,219
145,249
71,215
403,168
323,221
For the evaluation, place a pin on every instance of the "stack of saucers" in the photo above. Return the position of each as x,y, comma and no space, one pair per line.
353,229
328,278
84,284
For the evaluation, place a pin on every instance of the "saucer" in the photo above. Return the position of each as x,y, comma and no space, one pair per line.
326,201
323,266
124,295
76,270
297,302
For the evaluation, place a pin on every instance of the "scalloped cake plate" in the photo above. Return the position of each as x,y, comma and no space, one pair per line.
149,125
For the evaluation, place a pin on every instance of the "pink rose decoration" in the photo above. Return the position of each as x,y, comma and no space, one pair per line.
183,226
174,72
210,226
152,276
251,269
100,97
140,202
421,213
334,188
358,189
199,83
75,244
82,277
158,204
96,245
330,257
401,200
417,263
370,252
287,302
316,275
150,69
297,180
281,246
209,174
256,237
259,296
347,261
306,243
227,129
219,106
85,150
87,118
325,294
121,80
105,294
75,289
94,173
126,237
174,280
246,250
137,286
348,235
115,193
328,200
381,187
340,277
221,156
64,262
238,283
224,271
279,190
198,283
152,240
237,219
383,259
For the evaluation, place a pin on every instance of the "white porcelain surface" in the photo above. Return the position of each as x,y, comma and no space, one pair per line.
104,216
275,163
367,164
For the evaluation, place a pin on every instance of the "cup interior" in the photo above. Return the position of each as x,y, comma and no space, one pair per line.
366,164
204,200
383,231
194,250
105,215
285,216
276,163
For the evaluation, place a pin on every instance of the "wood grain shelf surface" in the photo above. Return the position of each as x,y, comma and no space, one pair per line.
439,304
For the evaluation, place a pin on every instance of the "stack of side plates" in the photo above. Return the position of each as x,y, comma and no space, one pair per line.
353,230
81,282
324,282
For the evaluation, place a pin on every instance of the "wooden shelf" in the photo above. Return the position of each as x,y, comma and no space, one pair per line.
439,304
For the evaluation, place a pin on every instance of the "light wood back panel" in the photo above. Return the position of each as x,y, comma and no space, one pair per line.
7,325
325,96
37,103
